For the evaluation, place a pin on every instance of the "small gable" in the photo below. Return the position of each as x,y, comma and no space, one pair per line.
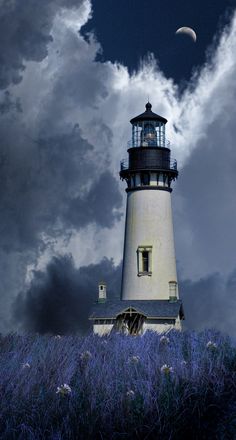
131,311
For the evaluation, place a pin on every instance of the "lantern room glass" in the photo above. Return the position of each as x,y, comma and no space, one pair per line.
148,134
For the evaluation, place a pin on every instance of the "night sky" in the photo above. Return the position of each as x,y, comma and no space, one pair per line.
129,30
72,75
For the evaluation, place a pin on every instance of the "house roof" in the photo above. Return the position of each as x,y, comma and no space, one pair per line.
149,308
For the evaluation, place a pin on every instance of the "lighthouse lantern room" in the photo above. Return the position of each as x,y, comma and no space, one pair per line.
149,290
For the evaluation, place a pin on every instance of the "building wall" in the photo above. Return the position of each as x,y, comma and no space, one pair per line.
159,328
178,324
102,329
148,223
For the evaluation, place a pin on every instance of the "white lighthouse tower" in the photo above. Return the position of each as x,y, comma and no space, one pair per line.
149,290
149,266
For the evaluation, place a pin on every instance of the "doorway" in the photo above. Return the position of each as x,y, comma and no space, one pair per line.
130,322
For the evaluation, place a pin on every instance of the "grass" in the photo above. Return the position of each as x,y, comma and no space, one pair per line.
119,387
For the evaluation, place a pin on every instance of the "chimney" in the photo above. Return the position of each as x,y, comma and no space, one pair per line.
102,292
172,291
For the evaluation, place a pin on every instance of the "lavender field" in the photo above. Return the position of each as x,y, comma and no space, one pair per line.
118,387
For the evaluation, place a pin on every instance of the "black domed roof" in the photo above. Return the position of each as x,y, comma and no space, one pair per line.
148,115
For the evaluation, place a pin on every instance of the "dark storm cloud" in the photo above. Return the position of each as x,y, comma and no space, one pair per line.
205,192
50,176
8,104
211,303
59,299
42,191
96,205
25,28
37,183
40,172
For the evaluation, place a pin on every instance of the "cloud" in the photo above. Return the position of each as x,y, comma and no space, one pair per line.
204,205
100,205
53,182
59,299
25,33
210,302
8,105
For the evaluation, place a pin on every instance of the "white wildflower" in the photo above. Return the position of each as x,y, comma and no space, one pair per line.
211,345
26,365
164,340
85,356
63,390
130,394
134,359
58,337
166,369
183,363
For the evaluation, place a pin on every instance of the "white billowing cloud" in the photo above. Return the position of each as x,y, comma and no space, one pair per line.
200,106
102,98
205,210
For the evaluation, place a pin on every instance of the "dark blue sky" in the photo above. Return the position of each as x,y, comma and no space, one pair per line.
129,29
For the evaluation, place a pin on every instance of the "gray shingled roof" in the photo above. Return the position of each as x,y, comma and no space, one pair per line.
149,308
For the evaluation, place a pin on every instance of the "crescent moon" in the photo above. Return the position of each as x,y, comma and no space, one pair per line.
188,31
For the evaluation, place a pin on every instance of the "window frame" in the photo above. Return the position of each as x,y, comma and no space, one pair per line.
140,268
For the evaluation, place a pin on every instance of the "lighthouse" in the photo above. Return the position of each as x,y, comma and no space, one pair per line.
149,298
149,266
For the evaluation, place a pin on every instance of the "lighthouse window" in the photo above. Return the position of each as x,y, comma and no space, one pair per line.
145,179
144,254
133,180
